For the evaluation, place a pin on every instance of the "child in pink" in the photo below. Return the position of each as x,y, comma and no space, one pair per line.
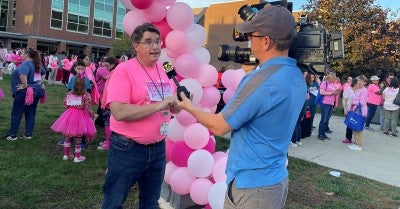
77,120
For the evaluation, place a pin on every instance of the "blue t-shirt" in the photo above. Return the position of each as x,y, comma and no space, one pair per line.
71,84
26,68
263,113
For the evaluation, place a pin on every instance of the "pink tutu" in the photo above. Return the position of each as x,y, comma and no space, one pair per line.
75,122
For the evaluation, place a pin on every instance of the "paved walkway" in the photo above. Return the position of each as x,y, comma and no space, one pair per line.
379,158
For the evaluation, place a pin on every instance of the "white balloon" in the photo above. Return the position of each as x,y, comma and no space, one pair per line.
216,195
175,130
201,163
202,55
194,87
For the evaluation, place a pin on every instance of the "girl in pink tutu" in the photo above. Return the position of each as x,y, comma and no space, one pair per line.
77,120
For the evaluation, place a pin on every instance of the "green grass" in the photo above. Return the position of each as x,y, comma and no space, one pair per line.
33,174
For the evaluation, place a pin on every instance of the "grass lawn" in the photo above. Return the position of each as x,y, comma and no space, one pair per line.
33,174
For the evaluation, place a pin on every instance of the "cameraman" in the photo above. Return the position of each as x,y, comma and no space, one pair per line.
261,115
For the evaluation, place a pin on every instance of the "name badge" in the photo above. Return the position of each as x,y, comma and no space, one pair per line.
74,100
164,128
159,90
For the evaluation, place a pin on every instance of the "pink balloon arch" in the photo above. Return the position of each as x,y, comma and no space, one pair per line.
193,165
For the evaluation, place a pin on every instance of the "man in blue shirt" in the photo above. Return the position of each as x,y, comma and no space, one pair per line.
261,115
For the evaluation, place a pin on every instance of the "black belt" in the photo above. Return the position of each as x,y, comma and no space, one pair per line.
134,142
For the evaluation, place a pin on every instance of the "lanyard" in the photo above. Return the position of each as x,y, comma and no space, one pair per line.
152,81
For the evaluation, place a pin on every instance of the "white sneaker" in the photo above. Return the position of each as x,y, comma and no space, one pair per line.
293,144
355,147
299,143
79,159
1,78
10,138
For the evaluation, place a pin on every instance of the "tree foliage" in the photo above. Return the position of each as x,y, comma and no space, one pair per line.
122,46
371,42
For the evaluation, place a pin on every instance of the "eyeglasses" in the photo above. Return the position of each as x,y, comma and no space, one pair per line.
250,35
151,43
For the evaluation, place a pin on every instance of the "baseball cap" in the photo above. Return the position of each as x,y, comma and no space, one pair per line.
374,78
273,21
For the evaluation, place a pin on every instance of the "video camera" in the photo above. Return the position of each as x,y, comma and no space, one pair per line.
314,47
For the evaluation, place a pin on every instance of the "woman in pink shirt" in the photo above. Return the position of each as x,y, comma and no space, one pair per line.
360,97
329,90
374,99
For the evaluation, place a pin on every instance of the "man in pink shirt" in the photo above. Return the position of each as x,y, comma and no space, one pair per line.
374,100
140,97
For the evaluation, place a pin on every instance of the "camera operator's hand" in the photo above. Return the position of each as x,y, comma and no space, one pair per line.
186,103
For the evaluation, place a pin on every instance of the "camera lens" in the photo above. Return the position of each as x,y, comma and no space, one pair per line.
246,12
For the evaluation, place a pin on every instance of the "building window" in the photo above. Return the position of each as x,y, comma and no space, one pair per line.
119,30
103,18
3,14
56,19
14,13
78,16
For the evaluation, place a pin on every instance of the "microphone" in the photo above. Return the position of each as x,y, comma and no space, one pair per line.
170,71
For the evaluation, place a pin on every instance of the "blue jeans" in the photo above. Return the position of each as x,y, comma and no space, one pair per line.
128,163
371,112
313,109
19,108
326,113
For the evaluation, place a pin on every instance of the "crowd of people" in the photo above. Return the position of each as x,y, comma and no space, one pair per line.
370,94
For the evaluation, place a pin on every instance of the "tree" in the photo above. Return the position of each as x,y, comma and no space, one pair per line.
371,43
122,46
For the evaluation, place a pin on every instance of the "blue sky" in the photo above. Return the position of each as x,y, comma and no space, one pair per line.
392,4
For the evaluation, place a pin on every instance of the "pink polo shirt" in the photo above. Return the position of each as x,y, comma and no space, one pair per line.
328,87
360,96
128,85
374,98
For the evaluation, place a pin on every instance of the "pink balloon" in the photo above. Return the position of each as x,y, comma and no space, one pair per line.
202,55
219,170
185,118
176,41
194,87
156,12
207,206
228,94
187,65
164,56
208,75
175,130
197,36
142,4
127,4
211,97
168,145
167,2
180,153
181,180
210,147
164,29
180,16
232,78
132,19
169,169
196,136
201,163
199,191
218,155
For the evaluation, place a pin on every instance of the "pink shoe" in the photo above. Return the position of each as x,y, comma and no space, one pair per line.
346,141
79,159
105,146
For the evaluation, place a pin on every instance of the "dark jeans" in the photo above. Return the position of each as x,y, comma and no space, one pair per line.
313,109
326,113
371,112
128,163
65,76
349,133
19,108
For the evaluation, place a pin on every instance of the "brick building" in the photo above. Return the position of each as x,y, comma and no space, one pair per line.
75,26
